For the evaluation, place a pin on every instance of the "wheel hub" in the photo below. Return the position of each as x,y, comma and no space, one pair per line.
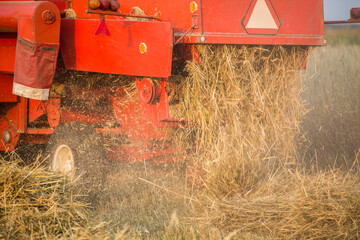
63,161
147,91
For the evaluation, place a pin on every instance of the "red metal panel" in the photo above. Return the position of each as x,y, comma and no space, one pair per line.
259,39
118,53
7,52
132,119
22,115
175,11
36,109
61,4
301,22
41,32
222,21
13,122
6,84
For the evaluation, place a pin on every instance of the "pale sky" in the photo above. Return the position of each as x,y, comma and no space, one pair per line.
339,9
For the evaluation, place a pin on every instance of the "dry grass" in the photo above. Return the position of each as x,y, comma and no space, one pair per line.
144,197
36,203
245,103
247,107
332,126
340,35
292,205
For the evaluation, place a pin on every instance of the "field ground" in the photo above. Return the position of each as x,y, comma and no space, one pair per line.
332,90
155,201
144,196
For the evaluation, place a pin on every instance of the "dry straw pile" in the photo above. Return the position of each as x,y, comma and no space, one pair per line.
292,205
246,105
37,204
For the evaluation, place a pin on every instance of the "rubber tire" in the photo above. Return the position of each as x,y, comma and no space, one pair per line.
88,152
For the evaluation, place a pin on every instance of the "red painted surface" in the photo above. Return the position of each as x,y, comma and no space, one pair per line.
22,115
221,21
157,110
300,20
15,122
131,117
6,126
6,84
36,109
7,52
176,12
259,39
26,19
118,53
39,108
61,4
53,112
141,119
122,15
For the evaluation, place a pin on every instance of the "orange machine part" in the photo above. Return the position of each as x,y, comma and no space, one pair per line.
34,13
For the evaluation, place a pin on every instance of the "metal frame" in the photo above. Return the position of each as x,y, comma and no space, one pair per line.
137,45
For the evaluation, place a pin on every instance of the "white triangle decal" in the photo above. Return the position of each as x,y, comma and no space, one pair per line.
261,17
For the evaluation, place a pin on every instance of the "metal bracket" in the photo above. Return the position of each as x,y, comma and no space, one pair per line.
195,25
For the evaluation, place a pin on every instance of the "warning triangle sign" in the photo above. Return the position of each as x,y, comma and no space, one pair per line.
102,29
261,18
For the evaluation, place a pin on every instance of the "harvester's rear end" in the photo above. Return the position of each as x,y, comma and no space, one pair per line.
96,80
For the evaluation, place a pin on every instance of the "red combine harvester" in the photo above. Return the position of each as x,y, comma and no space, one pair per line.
50,49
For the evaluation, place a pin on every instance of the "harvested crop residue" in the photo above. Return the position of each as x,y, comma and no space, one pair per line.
245,101
37,203
246,107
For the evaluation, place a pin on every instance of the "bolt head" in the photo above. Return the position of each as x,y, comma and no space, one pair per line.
48,17
7,137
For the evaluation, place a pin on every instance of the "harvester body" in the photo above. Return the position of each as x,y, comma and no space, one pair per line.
147,40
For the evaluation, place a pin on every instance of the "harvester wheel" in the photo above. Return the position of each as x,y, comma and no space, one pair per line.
76,149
